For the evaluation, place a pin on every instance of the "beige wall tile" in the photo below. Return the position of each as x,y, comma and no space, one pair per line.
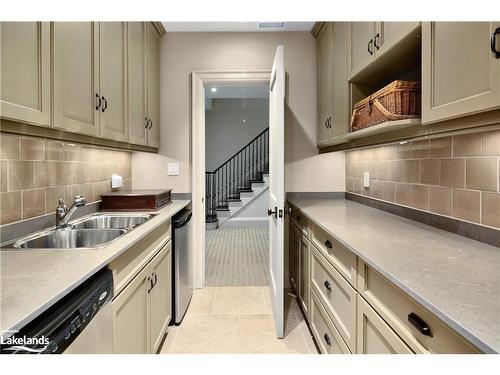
71,152
3,176
370,167
11,207
467,144
396,170
54,150
86,190
429,171
420,196
388,191
466,205
9,146
348,184
358,185
482,174
33,203
59,173
403,151
32,149
385,152
420,149
52,195
21,175
452,172
440,147
40,174
440,200
383,170
410,171
86,172
402,194
491,209
101,188
376,188
127,184
491,143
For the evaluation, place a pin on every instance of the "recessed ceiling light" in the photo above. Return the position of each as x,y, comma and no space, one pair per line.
403,142
214,89
271,25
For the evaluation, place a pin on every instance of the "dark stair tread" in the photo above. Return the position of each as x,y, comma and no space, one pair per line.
222,208
257,181
245,190
234,199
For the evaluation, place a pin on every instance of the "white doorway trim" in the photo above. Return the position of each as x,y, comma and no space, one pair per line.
198,81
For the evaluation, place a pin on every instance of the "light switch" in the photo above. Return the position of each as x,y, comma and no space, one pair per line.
173,169
366,179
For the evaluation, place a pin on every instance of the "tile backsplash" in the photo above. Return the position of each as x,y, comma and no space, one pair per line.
36,172
456,176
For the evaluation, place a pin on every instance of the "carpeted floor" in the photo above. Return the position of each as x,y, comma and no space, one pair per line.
237,256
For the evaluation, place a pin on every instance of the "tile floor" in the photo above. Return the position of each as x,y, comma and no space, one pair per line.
236,320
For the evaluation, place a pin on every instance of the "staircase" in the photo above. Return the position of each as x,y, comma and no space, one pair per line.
238,181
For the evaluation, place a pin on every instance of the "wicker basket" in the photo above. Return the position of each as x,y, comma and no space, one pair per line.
399,100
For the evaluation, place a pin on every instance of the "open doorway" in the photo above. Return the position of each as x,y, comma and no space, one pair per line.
236,184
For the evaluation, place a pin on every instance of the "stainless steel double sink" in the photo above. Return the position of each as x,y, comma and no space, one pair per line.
92,231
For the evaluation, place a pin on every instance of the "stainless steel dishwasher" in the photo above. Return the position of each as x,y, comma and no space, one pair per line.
181,275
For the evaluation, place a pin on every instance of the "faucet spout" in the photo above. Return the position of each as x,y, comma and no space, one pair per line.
63,214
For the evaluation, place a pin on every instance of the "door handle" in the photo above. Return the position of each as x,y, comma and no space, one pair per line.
327,285
494,43
272,212
147,122
375,41
155,279
328,244
370,43
99,101
327,339
105,103
150,281
150,123
419,324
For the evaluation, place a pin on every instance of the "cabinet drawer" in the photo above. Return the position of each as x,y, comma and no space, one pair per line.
301,221
127,265
342,259
395,307
325,333
337,296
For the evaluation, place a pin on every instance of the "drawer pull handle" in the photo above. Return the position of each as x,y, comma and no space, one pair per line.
327,285
328,244
327,339
298,218
419,324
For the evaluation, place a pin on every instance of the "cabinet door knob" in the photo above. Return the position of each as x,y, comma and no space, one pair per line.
369,47
328,244
327,339
327,285
419,324
147,122
98,100
375,41
105,103
155,279
494,43
150,123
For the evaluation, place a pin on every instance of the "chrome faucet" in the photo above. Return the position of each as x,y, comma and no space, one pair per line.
63,214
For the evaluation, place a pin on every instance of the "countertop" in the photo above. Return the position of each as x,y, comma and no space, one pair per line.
456,278
33,280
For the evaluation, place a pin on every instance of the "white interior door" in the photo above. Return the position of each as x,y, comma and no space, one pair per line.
277,187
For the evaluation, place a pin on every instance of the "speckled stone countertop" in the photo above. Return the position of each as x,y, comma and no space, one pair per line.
33,280
456,278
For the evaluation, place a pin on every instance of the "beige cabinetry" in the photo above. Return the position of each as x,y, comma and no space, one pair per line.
136,63
333,90
374,336
113,80
75,64
460,73
304,274
293,255
25,72
153,84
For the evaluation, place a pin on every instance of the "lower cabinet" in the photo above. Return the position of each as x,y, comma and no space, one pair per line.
293,257
374,336
142,310
304,274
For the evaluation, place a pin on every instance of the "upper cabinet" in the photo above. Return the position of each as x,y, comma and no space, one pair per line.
75,62
332,86
153,95
113,80
460,69
25,72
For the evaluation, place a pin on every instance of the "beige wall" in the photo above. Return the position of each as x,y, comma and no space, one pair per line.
36,172
182,53
456,176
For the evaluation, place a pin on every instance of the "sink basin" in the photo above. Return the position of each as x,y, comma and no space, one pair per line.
70,239
111,221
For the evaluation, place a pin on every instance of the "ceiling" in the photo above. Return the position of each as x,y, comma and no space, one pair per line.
233,26
240,92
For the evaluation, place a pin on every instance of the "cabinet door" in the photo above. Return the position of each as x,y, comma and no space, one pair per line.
25,72
324,48
340,115
76,76
161,295
460,74
112,80
136,50
131,329
360,42
374,336
388,34
153,86
292,248
304,268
